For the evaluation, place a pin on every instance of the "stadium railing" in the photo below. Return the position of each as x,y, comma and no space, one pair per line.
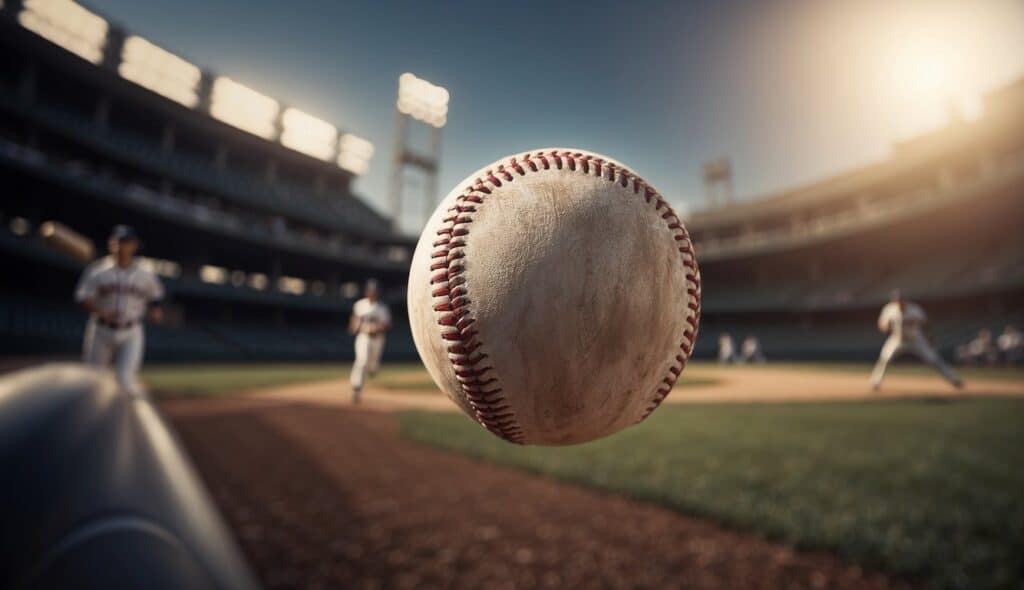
83,177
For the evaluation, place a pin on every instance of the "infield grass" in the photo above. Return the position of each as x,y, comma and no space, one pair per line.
221,379
198,380
932,491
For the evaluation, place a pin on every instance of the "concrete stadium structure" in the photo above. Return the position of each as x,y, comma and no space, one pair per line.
263,244
253,238
942,219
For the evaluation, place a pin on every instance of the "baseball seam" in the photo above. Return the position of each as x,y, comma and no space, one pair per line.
476,377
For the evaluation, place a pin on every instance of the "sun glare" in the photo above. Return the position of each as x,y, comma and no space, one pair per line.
931,85
928,76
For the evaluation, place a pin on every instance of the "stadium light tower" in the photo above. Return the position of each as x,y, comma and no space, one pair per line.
718,189
354,153
425,102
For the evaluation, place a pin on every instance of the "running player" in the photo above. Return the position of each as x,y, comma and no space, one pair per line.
117,292
370,320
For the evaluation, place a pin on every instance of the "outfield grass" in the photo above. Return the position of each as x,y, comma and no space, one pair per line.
932,491
220,379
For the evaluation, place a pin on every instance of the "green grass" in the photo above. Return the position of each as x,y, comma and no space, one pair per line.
221,379
931,491
187,380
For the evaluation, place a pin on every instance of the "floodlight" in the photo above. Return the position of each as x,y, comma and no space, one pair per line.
68,25
243,107
164,268
305,133
159,70
258,281
422,100
354,153
292,285
209,273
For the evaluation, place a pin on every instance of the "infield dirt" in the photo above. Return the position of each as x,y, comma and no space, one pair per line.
332,497
711,383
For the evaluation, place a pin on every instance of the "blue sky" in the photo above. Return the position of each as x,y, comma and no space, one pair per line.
791,90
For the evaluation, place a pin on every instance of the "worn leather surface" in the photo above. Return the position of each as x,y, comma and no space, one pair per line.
579,296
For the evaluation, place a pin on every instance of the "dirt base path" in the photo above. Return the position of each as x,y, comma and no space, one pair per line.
339,393
782,384
333,498
726,384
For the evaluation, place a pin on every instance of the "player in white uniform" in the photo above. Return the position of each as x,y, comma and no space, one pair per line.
117,292
904,322
726,349
751,350
1011,345
370,320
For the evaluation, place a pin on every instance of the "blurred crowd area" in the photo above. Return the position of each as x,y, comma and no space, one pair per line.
199,208
989,350
985,349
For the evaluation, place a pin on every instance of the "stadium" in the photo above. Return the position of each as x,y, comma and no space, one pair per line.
804,270
264,222
808,269
247,212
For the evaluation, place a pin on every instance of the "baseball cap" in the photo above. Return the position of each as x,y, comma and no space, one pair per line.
123,233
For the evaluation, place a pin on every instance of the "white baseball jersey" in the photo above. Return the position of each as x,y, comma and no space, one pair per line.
906,336
904,324
1010,340
124,291
371,315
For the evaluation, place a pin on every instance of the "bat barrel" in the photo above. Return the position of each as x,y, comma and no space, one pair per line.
97,493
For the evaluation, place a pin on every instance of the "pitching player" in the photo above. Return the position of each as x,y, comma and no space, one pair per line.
117,294
370,320
904,322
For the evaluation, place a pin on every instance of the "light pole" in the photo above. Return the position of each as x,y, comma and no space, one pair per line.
427,103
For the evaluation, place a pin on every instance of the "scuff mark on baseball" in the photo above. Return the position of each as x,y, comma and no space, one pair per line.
554,296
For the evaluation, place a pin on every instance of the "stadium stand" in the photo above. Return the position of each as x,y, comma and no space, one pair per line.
253,240
941,219
264,248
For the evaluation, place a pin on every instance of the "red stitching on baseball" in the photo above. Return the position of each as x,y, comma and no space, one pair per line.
489,405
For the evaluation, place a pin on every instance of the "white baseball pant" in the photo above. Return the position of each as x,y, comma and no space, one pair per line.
368,351
123,349
919,347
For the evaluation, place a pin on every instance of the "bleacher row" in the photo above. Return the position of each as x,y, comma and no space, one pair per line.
300,204
32,326
958,273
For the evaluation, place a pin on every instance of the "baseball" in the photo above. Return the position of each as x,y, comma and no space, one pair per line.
554,296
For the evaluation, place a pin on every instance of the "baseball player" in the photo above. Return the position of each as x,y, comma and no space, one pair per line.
981,349
751,350
1011,345
370,320
726,349
904,322
117,293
